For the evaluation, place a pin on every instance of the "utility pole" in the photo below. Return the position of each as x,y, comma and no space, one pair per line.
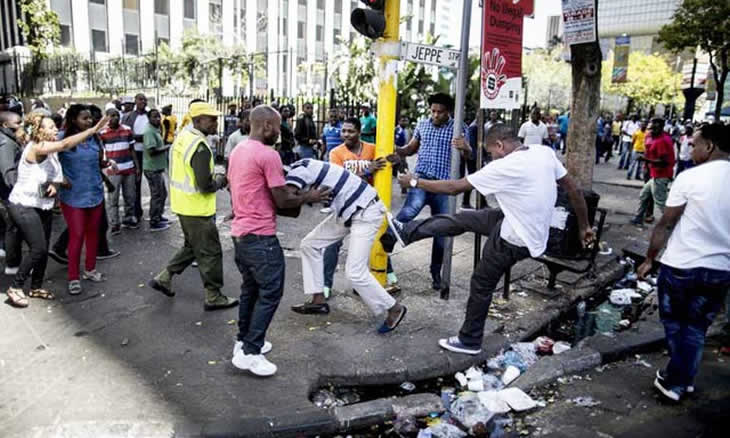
461,77
385,130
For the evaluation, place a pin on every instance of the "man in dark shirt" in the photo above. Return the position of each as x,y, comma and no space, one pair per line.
306,133
10,124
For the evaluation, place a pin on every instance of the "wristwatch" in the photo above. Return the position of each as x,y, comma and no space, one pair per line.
414,182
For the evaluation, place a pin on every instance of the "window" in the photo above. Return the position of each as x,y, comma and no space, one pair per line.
131,44
160,41
98,2
338,7
284,63
422,3
98,40
320,4
303,2
433,29
189,9
338,35
320,32
131,4
284,26
420,26
301,29
65,35
408,24
162,7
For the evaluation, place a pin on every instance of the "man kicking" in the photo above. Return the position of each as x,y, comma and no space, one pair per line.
522,178
357,211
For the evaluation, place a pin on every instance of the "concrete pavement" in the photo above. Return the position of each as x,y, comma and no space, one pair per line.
124,360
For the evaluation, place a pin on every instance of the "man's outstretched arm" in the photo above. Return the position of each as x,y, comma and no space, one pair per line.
447,187
578,202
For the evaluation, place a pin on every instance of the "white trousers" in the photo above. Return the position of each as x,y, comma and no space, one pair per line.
364,228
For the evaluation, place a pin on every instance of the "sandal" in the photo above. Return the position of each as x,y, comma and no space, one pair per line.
74,287
42,294
17,297
94,276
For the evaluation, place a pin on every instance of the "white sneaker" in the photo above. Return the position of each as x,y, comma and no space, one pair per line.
256,363
2,253
11,271
326,210
239,347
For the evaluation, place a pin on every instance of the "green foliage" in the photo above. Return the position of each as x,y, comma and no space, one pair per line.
548,78
651,80
40,28
195,67
354,69
703,23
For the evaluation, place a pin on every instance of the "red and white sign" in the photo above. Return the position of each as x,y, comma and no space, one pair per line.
501,71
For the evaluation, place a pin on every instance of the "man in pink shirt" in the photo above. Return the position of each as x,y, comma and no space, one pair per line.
258,189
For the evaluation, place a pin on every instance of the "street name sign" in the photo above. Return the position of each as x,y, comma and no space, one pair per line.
425,54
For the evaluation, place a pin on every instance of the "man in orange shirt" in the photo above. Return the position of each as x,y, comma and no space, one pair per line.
359,158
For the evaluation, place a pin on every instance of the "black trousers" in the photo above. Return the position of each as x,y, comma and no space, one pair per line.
35,226
497,256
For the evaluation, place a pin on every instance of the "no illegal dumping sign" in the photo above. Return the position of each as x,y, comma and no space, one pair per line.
501,72
579,17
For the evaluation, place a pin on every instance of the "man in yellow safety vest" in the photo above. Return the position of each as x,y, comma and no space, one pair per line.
193,184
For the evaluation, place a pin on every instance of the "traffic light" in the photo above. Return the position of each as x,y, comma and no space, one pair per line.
370,22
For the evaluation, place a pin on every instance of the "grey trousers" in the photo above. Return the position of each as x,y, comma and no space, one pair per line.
126,185
497,256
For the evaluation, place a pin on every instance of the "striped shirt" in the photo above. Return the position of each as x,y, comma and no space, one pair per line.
349,191
116,146
434,152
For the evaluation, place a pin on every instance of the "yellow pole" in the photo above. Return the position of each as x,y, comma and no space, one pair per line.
387,97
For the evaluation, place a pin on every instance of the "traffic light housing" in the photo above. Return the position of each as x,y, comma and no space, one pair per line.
370,22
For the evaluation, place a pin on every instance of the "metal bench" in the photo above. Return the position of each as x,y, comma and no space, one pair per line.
582,263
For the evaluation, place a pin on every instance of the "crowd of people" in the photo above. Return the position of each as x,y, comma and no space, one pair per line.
274,165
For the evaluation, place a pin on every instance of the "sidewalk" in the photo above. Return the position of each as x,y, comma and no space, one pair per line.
124,360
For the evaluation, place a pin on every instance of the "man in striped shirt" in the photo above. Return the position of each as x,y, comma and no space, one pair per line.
357,211
118,142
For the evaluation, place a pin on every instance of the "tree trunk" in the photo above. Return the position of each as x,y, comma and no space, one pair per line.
720,85
584,111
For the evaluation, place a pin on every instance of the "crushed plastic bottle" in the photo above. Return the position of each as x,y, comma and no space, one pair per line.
607,317
468,410
324,399
512,358
447,395
527,351
492,382
442,430
407,386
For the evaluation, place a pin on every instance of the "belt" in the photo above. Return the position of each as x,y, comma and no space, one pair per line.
252,238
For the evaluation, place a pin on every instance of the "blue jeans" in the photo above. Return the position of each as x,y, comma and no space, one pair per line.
260,260
439,204
689,299
635,165
625,158
306,152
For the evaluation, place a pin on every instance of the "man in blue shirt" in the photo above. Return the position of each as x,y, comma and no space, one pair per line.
563,122
402,133
432,140
331,137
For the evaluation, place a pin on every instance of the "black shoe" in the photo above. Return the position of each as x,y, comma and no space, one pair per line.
130,224
222,302
108,255
436,282
158,286
58,256
311,309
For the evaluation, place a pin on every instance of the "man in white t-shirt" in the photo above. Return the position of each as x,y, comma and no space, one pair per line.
533,131
523,179
628,127
695,268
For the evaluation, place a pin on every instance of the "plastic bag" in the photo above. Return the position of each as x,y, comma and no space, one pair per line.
468,410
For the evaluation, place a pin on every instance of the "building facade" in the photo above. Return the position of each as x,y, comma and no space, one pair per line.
641,20
296,38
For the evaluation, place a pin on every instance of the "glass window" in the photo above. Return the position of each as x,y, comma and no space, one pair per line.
301,29
320,4
131,44
420,26
98,40
162,7
98,2
320,32
160,41
284,26
189,9
66,35
338,7
303,2
131,4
